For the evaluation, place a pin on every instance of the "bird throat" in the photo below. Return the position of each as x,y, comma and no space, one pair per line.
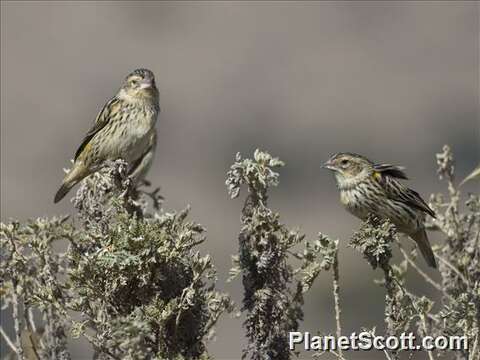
348,182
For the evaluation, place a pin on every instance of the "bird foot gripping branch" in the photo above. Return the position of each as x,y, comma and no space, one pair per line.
112,185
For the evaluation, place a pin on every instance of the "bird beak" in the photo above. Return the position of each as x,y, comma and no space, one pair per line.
328,165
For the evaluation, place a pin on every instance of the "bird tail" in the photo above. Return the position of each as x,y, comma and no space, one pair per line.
420,237
475,174
74,176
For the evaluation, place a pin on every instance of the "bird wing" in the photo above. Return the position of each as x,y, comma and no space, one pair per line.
391,170
395,190
102,119
142,165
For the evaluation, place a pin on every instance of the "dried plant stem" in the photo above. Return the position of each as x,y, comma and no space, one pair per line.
8,340
99,347
337,354
387,355
31,321
390,285
474,349
424,325
15,312
17,321
420,271
53,331
336,296
31,329
455,270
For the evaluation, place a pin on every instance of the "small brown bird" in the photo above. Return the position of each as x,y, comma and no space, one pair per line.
368,188
124,129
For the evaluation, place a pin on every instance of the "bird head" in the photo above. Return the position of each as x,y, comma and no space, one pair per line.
349,168
139,85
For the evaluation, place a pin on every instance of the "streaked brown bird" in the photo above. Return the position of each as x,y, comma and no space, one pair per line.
369,188
124,129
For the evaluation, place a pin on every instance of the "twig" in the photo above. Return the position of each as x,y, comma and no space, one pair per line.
477,241
420,271
8,340
53,332
48,331
33,326
99,347
387,355
472,354
454,269
31,329
16,321
336,296
411,295
337,354
30,319
424,325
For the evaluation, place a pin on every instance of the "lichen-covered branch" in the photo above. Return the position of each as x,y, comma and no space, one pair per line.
459,256
273,298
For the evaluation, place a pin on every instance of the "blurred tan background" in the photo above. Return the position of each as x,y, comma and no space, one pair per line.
393,81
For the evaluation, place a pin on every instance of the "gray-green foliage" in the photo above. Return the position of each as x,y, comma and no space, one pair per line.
131,282
32,274
459,256
374,240
273,297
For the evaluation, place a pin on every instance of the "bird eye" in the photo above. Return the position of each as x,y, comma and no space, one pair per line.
134,82
344,162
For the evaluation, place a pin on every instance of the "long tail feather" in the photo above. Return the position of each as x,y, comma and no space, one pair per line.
474,175
64,189
74,176
421,239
